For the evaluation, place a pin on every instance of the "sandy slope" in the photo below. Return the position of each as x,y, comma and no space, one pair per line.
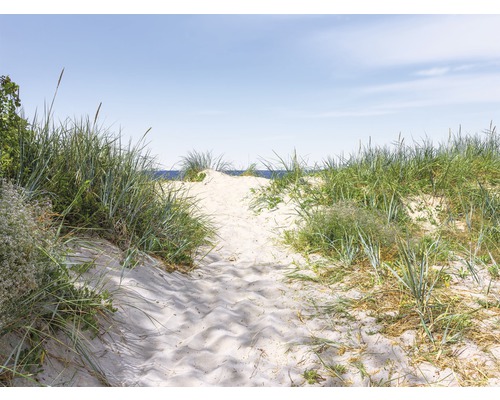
235,320
230,322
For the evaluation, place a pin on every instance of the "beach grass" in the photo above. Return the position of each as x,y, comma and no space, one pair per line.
41,300
70,179
99,185
410,226
195,162
413,229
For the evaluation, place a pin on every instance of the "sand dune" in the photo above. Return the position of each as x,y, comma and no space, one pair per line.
230,322
234,320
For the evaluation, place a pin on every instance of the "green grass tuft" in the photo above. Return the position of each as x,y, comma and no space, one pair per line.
194,163
100,185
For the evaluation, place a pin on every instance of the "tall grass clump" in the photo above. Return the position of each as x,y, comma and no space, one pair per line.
463,173
194,163
288,178
343,232
410,213
101,185
40,301
414,272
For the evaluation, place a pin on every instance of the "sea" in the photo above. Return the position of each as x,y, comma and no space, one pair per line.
175,175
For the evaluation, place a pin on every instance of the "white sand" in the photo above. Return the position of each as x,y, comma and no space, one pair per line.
233,321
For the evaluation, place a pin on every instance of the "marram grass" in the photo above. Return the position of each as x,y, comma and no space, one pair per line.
41,301
403,223
98,184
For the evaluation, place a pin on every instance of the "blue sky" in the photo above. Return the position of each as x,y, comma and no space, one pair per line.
250,86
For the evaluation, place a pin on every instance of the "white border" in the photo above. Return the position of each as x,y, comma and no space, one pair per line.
250,7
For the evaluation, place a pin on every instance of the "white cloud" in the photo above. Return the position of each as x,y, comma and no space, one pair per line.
448,90
413,40
368,112
430,92
437,71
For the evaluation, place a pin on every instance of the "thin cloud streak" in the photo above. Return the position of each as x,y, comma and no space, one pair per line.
348,113
443,89
210,113
437,71
394,98
414,40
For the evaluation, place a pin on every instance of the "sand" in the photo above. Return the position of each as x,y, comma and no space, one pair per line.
235,320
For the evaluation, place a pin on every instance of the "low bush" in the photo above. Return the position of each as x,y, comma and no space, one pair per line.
23,236
40,299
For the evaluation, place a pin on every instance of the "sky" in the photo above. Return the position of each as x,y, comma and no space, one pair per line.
253,87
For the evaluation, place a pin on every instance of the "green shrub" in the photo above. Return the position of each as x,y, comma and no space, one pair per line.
40,299
23,235
12,127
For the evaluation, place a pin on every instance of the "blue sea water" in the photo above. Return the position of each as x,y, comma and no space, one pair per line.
173,175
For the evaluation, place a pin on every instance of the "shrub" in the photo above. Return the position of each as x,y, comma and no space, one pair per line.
12,127
40,299
23,235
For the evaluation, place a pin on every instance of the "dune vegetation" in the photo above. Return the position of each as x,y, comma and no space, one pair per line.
407,234
414,228
64,180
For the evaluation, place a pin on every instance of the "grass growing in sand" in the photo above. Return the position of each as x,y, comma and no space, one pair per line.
195,162
101,186
90,183
416,230
41,300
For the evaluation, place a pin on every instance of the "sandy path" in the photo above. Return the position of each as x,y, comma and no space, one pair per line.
239,320
230,322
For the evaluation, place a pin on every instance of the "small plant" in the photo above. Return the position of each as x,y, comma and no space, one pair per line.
356,362
193,165
418,278
452,326
312,376
339,307
371,249
251,170
494,271
288,179
339,369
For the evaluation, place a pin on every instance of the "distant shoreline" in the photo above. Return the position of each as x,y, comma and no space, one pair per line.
176,174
